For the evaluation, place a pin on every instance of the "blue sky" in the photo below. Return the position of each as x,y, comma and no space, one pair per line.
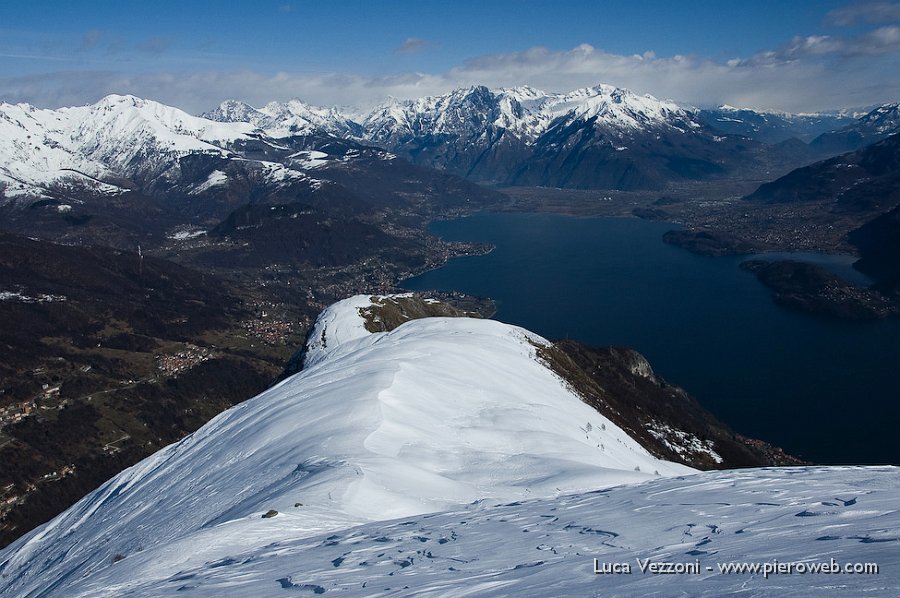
788,55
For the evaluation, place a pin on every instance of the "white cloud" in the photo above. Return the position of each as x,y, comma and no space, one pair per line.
881,41
884,40
795,78
865,12
200,91
806,74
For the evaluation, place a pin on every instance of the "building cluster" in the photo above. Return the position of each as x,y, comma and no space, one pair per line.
174,363
272,332
16,412
6,498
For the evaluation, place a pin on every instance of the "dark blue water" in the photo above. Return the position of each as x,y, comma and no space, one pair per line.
825,390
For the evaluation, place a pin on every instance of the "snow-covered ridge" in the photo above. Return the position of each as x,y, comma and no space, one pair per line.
437,413
119,129
782,113
36,149
117,136
124,137
467,112
525,111
883,120
440,457
340,324
280,120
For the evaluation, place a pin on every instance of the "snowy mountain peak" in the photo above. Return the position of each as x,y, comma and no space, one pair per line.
114,100
620,108
235,111
883,120
339,324
6,108
284,119
120,136
875,125
128,113
474,93
477,112
523,93
37,150
132,136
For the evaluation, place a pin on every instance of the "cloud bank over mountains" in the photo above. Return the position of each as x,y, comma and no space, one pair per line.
852,67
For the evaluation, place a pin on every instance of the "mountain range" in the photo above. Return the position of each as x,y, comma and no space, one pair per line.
445,455
871,127
127,171
774,127
599,137
861,185
865,180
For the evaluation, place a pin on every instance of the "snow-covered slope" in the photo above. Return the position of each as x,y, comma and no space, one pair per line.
437,413
878,124
596,137
434,425
884,120
523,111
130,134
801,517
118,137
36,149
280,120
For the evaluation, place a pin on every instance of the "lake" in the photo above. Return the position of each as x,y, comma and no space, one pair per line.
825,390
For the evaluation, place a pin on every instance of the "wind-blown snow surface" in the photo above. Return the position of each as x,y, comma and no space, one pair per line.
547,547
451,417
437,413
